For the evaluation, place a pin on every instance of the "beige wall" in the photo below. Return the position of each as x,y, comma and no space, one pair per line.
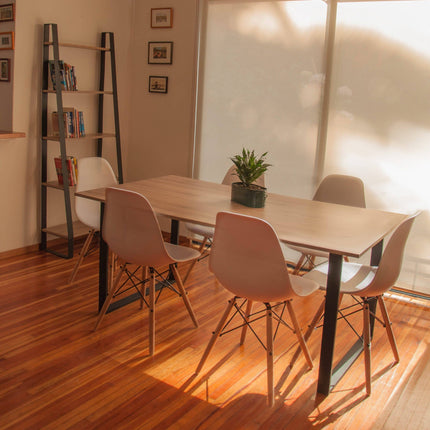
155,128
6,88
161,124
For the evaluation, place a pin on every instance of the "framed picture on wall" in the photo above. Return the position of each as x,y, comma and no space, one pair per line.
6,40
7,12
4,69
160,52
162,18
158,84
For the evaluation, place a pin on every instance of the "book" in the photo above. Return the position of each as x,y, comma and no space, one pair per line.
67,75
72,169
73,121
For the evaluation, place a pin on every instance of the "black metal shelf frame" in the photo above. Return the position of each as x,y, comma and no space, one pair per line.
50,38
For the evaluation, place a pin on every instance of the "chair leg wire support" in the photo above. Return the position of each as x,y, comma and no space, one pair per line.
247,322
270,315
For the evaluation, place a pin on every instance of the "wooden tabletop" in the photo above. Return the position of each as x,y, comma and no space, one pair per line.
333,228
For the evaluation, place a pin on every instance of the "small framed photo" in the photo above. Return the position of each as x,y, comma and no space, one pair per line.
158,84
7,12
162,18
6,40
160,52
4,69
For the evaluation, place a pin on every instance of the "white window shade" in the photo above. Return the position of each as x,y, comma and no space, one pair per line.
260,89
260,84
379,124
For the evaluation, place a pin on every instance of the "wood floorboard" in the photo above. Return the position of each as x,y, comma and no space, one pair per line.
56,372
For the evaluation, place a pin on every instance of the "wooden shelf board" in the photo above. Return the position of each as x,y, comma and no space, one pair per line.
55,184
79,92
74,45
88,136
79,229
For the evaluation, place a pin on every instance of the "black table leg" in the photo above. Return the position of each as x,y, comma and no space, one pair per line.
327,378
174,232
330,321
103,263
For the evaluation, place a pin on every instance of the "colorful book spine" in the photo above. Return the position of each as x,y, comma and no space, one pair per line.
67,75
72,170
73,123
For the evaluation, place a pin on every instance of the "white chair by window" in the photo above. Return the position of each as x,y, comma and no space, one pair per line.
366,283
94,172
338,189
131,229
247,259
207,233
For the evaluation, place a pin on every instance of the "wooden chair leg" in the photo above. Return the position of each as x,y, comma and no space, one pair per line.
299,264
216,333
184,295
299,335
367,346
151,312
309,331
269,354
112,269
84,250
389,329
109,298
193,263
311,328
245,326
143,288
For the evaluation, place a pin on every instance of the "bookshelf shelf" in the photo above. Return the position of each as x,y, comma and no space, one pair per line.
77,46
60,230
86,137
52,72
79,92
56,185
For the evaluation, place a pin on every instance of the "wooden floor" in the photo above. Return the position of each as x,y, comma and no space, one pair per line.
57,373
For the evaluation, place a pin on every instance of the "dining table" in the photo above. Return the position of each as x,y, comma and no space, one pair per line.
342,231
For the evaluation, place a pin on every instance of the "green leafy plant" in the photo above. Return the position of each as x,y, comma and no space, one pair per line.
249,167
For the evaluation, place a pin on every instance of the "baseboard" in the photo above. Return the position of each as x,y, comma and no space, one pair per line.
59,242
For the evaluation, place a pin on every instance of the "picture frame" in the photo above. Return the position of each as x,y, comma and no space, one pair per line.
7,12
4,70
162,17
158,84
7,40
160,52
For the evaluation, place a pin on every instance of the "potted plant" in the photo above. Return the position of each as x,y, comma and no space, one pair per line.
249,168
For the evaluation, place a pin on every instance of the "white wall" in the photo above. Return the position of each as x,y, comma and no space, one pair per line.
161,124
6,88
20,158
156,132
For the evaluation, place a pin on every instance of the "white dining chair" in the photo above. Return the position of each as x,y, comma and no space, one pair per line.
337,189
365,283
247,259
132,232
94,172
206,232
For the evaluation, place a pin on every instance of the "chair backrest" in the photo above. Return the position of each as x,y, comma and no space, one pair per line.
231,177
94,172
247,259
391,261
342,190
131,229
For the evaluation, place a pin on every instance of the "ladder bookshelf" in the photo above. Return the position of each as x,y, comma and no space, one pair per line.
51,52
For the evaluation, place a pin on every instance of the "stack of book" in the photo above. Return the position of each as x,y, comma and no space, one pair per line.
72,169
67,76
73,123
